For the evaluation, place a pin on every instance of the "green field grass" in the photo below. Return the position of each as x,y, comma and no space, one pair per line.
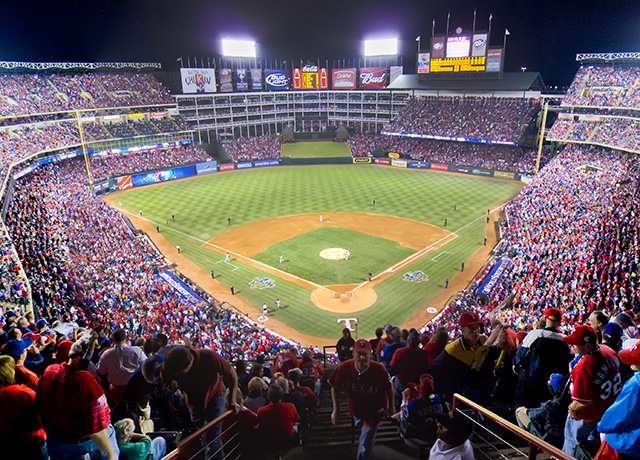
301,256
203,204
316,150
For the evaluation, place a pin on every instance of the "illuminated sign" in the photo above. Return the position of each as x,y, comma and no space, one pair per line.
468,64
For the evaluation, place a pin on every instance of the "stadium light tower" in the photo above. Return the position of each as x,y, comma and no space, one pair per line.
380,47
238,48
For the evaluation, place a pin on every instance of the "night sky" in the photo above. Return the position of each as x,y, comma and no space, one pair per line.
545,35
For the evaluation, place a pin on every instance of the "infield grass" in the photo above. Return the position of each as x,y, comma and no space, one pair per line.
316,150
301,256
203,204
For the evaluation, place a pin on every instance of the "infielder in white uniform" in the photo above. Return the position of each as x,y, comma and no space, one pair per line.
346,255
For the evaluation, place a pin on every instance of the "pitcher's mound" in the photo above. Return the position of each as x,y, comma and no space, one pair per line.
338,300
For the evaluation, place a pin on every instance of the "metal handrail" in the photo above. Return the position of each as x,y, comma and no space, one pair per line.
535,443
175,455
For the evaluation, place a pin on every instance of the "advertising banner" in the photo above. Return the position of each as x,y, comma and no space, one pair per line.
261,163
244,165
227,167
479,45
419,164
182,289
437,47
382,161
361,160
373,78
256,79
343,79
162,176
125,182
494,60
242,80
423,62
207,167
394,72
492,279
393,155
399,163
439,167
276,80
198,80
310,77
226,86
504,175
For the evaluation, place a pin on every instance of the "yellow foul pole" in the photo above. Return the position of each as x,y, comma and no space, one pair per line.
542,126
84,149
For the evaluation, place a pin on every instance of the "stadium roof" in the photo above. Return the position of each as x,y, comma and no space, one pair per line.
510,81
608,58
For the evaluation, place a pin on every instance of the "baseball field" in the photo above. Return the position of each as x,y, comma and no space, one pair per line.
287,231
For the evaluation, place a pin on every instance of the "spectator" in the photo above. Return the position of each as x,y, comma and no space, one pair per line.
596,384
135,446
18,349
541,354
454,430
74,413
119,363
407,364
345,346
620,424
20,431
418,417
277,419
256,398
198,374
370,394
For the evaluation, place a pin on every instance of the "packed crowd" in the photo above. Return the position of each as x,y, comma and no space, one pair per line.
146,160
32,94
605,86
490,156
621,133
471,117
573,239
253,148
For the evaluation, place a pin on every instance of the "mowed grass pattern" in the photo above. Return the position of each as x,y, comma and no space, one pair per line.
203,204
316,150
301,256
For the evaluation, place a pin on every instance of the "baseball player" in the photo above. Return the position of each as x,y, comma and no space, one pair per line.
226,257
265,310
320,217
277,304
281,259
346,255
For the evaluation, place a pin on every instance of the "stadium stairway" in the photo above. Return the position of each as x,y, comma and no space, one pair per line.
322,440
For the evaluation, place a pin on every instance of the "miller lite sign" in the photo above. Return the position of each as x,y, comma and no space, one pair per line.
373,78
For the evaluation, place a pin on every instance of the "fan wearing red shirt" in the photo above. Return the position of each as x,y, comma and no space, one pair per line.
285,361
20,433
596,384
277,419
370,394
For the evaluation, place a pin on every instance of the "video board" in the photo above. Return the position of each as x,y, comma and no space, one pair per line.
461,52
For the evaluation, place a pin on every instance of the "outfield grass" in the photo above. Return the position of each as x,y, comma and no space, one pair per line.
316,150
203,204
301,256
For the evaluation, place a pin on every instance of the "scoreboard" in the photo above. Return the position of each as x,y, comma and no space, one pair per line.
460,52
464,64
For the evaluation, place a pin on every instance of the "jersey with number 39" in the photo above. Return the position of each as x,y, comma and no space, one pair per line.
596,383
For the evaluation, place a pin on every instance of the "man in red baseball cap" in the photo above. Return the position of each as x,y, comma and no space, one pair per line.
596,384
466,364
370,394
541,354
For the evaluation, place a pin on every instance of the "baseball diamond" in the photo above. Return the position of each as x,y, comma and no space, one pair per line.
275,213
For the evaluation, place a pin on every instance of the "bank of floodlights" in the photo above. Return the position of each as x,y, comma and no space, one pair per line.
381,47
238,48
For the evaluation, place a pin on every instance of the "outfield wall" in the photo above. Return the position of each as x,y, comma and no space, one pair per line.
135,180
